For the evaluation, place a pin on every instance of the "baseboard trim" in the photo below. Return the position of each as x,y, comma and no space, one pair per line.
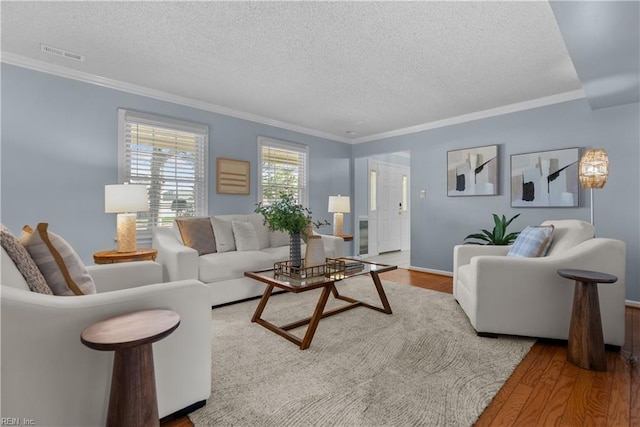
631,303
431,270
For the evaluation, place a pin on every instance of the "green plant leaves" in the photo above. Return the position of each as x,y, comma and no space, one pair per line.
496,237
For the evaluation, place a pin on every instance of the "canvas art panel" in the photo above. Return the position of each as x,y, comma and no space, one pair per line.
473,171
545,179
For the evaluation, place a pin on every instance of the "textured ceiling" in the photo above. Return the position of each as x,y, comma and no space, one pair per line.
331,67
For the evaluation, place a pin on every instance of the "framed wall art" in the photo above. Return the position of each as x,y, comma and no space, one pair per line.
473,171
545,179
232,176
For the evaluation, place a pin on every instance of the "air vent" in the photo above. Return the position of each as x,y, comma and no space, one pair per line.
61,52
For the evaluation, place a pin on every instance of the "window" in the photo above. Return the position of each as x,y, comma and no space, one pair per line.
283,167
405,192
373,190
170,158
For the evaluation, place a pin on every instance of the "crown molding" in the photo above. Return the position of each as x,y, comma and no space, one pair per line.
478,115
33,64
57,70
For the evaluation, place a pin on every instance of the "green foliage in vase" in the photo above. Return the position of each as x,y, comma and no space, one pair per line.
499,234
287,215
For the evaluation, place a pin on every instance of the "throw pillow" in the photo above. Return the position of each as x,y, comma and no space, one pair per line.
197,233
58,262
532,242
245,236
23,261
223,232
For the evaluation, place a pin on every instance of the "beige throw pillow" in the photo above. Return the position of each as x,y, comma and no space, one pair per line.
58,262
245,236
197,233
23,262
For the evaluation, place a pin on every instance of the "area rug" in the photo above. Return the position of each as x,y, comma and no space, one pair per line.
422,365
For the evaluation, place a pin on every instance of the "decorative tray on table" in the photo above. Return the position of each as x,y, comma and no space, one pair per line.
331,266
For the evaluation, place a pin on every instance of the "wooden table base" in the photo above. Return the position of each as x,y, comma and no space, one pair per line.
133,388
585,346
319,312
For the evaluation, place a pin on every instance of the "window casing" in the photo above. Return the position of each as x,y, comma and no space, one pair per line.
284,167
170,158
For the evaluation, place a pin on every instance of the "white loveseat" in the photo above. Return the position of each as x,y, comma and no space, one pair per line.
526,296
224,271
50,377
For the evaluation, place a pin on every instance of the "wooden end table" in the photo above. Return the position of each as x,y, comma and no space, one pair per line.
585,347
327,284
132,400
113,256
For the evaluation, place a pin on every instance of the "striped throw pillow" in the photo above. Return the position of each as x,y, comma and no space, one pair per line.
533,241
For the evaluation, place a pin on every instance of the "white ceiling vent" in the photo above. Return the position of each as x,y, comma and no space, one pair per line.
61,52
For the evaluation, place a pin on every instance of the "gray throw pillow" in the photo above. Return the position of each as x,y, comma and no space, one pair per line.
23,261
223,231
197,233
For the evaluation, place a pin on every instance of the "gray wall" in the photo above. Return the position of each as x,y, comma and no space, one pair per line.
439,222
59,149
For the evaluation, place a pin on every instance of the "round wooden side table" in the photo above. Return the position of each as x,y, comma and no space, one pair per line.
132,400
585,347
113,256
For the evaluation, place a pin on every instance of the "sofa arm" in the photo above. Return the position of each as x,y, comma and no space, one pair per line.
113,277
462,255
334,244
52,378
178,261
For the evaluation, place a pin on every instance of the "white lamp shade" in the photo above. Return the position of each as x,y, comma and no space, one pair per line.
120,198
340,204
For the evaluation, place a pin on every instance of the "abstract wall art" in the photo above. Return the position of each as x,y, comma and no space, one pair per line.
545,179
473,171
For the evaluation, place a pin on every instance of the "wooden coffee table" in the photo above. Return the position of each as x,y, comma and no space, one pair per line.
327,284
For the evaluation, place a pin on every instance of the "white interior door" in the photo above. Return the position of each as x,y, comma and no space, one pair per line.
390,207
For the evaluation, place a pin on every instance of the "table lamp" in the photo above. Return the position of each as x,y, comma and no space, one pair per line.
126,200
339,205
593,171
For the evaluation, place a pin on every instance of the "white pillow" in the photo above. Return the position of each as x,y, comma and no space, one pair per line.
245,236
223,232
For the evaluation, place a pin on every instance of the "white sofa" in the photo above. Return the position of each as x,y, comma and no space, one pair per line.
50,377
526,296
224,271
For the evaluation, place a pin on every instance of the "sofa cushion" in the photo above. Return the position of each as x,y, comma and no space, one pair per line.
245,236
533,241
197,233
57,261
279,238
223,232
568,233
232,265
19,270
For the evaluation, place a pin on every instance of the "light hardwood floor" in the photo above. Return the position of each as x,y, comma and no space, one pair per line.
545,389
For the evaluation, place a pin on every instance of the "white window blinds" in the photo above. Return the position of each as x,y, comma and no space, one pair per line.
170,158
283,167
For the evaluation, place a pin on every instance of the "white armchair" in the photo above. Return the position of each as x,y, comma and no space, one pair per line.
526,296
50,377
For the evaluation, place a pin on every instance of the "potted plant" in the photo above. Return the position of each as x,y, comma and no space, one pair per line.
499,234
287,215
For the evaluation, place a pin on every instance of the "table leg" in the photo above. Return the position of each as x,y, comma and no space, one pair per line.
381,294
315,319
132,401
263,303
585,347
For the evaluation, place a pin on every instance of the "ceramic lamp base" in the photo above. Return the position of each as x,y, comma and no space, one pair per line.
126,229
337,223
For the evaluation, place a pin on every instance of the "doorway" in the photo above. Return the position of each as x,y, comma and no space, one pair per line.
382,183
